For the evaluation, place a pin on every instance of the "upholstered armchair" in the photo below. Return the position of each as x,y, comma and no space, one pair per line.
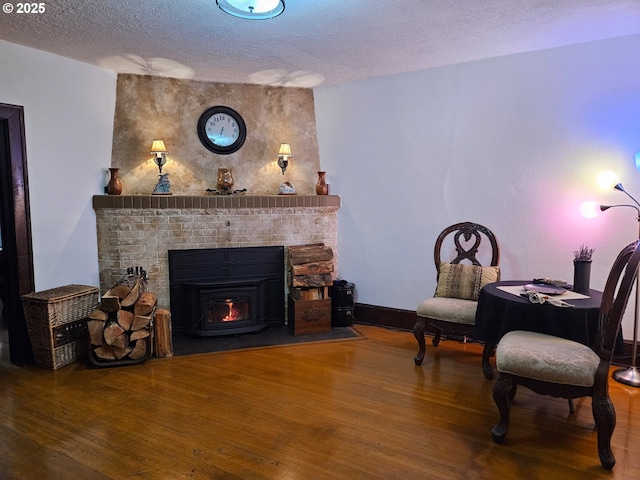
460,276
562,368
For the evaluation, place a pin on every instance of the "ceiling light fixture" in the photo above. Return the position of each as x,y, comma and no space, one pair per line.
252,9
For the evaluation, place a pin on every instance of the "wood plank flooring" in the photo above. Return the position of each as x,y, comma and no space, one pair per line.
355,409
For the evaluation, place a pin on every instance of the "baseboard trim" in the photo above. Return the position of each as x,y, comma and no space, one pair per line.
385,316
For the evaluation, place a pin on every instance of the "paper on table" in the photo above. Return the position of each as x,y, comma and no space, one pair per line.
518,289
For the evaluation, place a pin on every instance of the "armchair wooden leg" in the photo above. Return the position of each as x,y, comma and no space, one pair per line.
487,353
503,390
605,417
418,332
435,341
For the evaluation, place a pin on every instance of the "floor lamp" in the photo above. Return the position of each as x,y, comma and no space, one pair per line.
631,375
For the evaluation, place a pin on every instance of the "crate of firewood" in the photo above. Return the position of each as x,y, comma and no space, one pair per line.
121,329
57,323
309,310
310,268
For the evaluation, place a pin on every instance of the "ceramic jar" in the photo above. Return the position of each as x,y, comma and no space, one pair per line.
321,187
114,187
225,179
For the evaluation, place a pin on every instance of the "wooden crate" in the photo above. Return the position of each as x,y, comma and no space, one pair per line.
309,316
56,321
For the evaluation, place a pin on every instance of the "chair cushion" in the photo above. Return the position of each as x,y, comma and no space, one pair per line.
547,358
457,280
453,310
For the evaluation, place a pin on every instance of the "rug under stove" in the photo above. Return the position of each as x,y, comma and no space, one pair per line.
273,336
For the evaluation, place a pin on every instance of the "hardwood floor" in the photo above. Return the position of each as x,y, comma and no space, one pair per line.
355,409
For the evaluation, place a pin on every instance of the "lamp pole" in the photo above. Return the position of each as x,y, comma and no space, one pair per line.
631,375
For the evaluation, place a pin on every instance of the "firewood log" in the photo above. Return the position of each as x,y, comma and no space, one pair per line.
120,291
140,321
311,294
139,349
163,337
125,319
99,314
120,353
133,295
105,352
309,254
313,268
139,334
96,327
322,280
145,304
121,341
110,302
111,332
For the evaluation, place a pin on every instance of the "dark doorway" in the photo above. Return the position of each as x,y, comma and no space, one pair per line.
16,255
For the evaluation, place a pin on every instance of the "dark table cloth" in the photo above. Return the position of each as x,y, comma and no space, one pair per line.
500,312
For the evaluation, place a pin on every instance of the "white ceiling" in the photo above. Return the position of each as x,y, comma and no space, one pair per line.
314,42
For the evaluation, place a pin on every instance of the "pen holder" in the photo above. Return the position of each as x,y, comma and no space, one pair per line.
581,276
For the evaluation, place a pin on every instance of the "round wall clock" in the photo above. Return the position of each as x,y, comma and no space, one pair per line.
222,130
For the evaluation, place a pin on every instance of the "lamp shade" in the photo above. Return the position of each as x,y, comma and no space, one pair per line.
252,9
285,149
158,147
607,180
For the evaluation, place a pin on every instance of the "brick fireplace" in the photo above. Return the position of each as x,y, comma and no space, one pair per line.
139,230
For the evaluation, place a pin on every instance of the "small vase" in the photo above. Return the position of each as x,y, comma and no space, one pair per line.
321,187
225,179
581,276
114,187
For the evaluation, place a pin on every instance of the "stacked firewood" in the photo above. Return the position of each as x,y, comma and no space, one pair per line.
121,328
311,265
311,268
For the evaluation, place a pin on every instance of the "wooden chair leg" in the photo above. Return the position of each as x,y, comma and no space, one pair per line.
512,392
438,334
605,417
503,390
572,408
418,332
487,353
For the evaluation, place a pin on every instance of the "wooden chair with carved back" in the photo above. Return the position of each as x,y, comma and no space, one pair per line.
460,276
557,367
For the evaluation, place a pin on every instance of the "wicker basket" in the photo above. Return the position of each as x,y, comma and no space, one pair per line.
56,321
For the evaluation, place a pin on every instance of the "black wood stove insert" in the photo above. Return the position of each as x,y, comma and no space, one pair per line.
226,291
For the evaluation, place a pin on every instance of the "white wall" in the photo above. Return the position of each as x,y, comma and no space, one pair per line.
68,109
514,143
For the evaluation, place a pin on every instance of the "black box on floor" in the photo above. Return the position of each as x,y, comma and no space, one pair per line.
342,303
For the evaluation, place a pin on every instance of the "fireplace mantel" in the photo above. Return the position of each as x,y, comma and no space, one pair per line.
214,201
139,230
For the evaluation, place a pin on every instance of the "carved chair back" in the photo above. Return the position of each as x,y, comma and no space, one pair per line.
472,235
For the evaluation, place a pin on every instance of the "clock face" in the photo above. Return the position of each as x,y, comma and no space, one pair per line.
222,130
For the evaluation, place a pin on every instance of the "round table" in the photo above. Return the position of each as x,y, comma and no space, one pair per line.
499,312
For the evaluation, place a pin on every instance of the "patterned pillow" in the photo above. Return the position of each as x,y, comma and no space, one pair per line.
464,281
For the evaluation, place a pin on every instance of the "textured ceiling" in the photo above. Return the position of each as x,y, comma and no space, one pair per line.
314,42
